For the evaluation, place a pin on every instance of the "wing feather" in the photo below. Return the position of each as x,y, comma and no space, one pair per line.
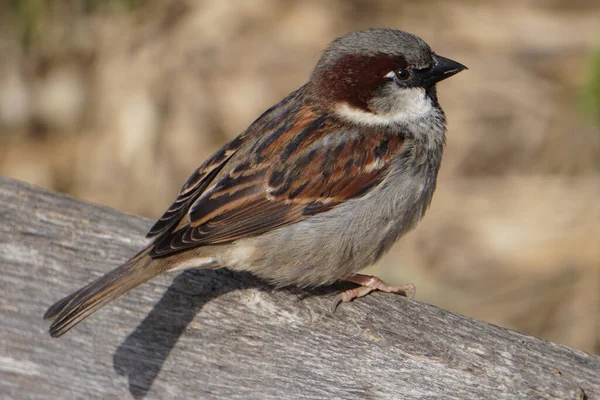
308,163
194,187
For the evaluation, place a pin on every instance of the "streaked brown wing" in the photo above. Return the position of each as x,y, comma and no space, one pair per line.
204,175
313,164
194,186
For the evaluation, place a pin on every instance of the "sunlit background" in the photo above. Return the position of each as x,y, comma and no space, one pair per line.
116,102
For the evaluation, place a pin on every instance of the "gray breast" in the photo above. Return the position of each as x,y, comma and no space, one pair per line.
330,246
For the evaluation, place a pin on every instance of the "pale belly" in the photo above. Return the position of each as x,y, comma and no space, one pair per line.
330,246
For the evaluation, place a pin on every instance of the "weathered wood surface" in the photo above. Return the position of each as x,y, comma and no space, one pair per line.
216,334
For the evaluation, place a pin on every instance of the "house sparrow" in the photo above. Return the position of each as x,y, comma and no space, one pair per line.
317,188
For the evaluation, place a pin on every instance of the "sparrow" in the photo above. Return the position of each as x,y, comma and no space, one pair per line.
317,188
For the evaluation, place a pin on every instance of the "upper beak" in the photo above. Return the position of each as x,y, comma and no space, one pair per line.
443,68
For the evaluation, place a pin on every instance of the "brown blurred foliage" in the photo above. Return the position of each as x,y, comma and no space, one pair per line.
116,102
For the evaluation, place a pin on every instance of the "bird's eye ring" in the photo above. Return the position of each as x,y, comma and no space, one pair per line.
398,75
401,74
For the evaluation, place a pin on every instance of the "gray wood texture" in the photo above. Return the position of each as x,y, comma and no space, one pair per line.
222,335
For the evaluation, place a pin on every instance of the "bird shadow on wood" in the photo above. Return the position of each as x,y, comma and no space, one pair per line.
141,356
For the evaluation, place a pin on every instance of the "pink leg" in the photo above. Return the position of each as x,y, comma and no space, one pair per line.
369,284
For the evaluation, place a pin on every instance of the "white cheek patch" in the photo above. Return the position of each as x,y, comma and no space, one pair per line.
410,105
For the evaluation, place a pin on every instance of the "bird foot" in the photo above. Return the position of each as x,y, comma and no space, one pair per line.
369,284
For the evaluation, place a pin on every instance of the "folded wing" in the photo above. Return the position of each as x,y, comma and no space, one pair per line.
308,163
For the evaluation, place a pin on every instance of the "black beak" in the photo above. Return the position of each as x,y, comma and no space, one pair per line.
442,69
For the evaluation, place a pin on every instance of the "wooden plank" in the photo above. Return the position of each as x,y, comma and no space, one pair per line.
217,334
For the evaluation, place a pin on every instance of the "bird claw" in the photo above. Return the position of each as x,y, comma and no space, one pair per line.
369,284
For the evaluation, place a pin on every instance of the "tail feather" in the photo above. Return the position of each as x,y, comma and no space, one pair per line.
57,307
71,310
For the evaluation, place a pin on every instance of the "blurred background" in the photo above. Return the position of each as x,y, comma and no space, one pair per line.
118,101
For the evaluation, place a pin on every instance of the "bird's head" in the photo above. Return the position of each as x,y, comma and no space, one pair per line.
380,76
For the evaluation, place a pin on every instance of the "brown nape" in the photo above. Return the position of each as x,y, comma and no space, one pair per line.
353,79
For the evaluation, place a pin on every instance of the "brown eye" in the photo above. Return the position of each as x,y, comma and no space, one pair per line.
402,74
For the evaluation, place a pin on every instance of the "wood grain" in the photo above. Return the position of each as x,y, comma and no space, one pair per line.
223,335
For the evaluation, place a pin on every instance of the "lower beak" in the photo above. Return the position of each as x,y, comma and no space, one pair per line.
443,68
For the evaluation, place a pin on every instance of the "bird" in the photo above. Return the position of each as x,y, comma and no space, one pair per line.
317,188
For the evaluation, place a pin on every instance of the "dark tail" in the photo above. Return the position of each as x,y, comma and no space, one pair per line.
74,308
